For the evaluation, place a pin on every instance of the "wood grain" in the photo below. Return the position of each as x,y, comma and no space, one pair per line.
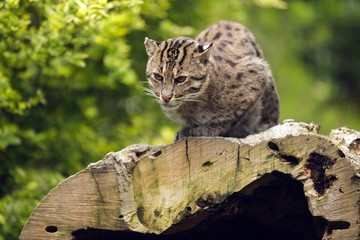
186,186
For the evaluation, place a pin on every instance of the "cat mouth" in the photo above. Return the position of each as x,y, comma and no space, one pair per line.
170,105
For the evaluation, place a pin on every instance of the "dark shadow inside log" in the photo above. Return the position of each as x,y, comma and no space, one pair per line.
272,207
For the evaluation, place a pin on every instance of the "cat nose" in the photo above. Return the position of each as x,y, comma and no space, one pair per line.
166,98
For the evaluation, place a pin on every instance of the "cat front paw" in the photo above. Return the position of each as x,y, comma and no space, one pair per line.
181,134
199,131
177,136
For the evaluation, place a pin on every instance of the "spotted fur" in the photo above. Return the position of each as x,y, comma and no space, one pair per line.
215,85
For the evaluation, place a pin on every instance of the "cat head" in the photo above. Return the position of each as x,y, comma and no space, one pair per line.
177,70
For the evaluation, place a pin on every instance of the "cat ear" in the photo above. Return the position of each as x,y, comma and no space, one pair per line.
203,48
151,46
203,52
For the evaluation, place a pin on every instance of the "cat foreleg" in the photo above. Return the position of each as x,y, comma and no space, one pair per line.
199,131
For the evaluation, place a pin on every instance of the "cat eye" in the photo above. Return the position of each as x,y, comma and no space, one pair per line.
180,79
158,77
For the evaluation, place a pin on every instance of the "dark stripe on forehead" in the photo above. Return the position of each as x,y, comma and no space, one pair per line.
172,53
185,52
175,43
162,51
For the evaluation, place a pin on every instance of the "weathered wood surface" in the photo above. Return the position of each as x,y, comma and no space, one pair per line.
175,188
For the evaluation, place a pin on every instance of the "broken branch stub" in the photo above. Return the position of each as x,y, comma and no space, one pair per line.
288,179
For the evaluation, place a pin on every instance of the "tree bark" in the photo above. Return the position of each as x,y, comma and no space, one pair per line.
288,182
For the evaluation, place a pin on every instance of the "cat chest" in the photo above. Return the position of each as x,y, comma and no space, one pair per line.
193,117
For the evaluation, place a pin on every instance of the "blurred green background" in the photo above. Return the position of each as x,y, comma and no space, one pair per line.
72,73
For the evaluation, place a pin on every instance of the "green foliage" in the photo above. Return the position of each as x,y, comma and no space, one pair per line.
68,93
314,60
72,72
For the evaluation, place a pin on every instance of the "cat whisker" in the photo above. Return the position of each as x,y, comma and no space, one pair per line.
149,92
189,99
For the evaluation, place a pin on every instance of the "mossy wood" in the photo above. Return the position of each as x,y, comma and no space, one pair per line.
288,182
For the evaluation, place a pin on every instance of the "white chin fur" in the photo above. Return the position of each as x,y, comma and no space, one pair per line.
169,106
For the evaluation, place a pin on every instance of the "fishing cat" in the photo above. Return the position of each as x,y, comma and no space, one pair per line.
215,85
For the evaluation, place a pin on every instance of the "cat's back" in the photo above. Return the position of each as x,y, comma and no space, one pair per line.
230,39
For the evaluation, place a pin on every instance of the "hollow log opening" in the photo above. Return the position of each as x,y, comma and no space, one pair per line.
273,207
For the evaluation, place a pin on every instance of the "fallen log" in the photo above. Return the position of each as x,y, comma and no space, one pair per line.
288,182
